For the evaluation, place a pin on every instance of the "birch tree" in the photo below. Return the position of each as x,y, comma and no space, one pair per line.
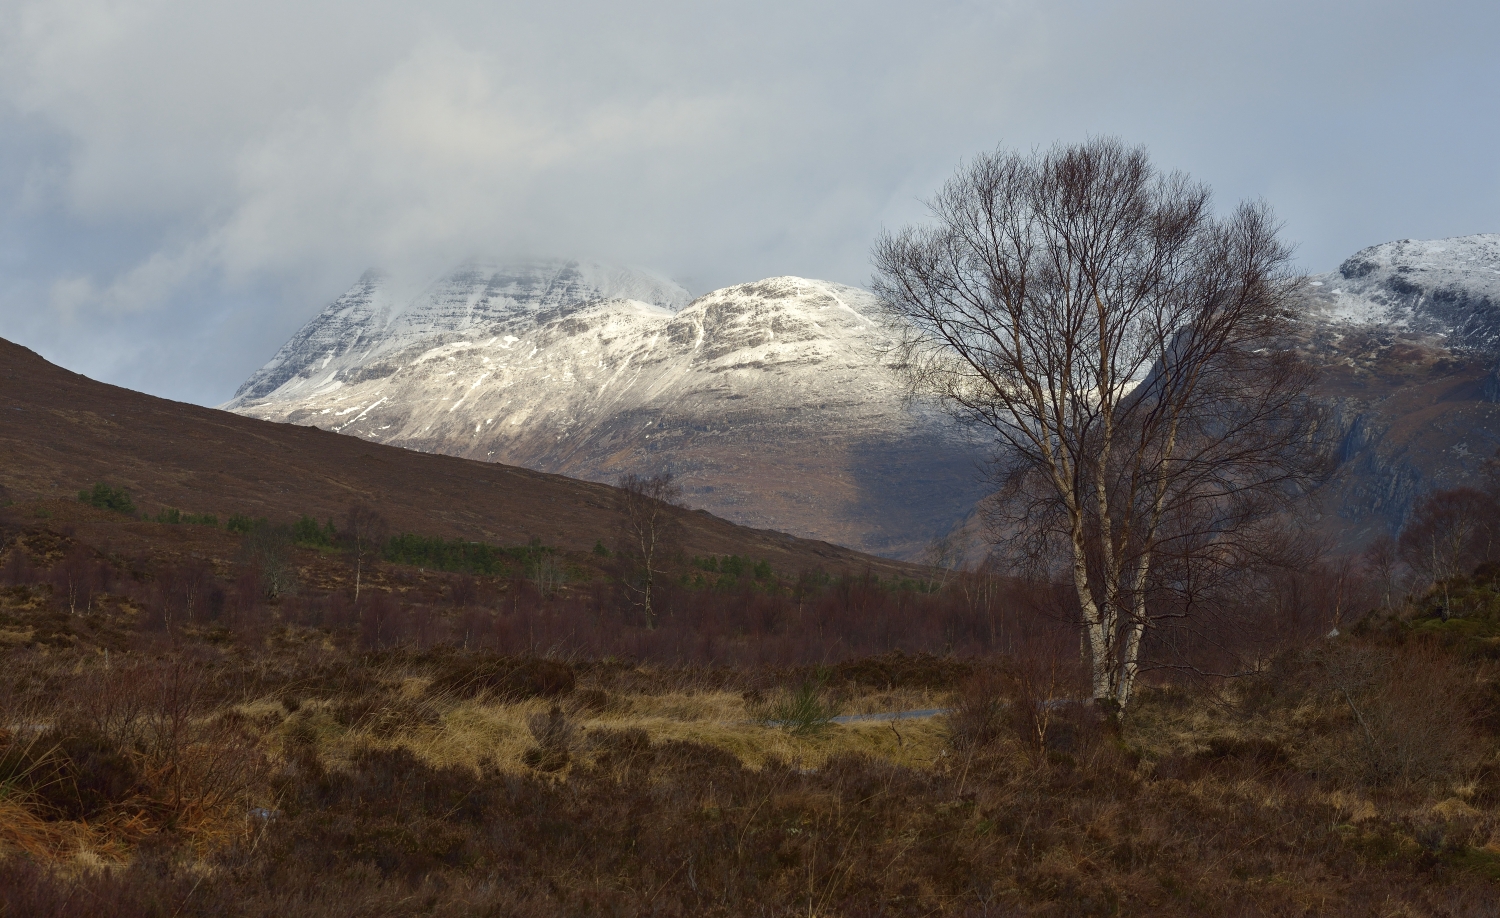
1121,345
649,524
362,539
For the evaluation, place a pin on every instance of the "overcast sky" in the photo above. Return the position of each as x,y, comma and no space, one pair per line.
184,184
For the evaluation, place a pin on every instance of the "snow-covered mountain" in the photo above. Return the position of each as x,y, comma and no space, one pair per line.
774,404
1408,336
772,401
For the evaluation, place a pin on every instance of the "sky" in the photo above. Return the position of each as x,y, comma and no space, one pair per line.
184,184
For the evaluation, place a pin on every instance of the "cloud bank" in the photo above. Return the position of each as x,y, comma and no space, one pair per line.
183,184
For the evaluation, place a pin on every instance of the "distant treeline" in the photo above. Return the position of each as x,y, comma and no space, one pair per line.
105,497
431,552
460,556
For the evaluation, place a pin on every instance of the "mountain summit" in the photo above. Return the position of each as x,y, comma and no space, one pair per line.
371,322
772,401
1445,288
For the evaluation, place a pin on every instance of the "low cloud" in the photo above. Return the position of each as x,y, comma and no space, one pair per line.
183,184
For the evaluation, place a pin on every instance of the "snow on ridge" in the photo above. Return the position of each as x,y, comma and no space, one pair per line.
590,372
1443,287
782,337
374,322
811,300
779,343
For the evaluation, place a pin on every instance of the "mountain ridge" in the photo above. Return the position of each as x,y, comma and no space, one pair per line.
1447,288
368,320
1407,335
773,401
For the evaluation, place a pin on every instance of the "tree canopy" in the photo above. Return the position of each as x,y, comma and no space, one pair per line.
1123,346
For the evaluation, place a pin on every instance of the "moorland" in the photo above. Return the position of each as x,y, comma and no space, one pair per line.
202,716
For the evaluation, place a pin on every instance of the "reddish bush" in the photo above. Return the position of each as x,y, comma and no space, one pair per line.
1449,533
504,679
19,570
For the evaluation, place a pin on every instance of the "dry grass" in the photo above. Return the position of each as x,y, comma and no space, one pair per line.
24,831
446,732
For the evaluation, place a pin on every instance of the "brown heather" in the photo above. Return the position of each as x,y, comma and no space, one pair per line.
174,744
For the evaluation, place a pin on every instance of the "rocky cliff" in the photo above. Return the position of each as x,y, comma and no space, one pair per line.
1408,336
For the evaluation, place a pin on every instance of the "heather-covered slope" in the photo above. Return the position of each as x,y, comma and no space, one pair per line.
60,432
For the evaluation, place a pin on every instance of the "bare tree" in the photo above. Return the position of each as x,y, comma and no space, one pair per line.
267,548
650,524
1380,558
1121,344
1448,534
945,555
362,538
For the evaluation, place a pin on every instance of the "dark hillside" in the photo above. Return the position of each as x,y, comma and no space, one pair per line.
60,432
1414,415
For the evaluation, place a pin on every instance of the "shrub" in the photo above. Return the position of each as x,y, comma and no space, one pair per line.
267,549
106,498
1258,752
620,748
547,574
242,524
1406,715
18,568
732,569
805,711
74,771
306,531
1066,729
456,555
595,700
694,758
980,716
900,670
